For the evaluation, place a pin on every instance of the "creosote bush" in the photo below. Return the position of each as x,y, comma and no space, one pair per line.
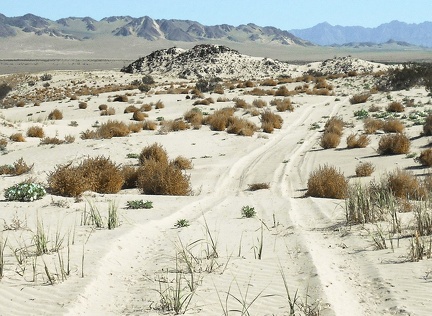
327,182
394,144
97,174
364,169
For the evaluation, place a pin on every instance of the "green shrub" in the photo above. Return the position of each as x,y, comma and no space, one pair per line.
25,192
248,211
138,204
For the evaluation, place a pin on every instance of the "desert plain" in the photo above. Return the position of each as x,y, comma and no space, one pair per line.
201,253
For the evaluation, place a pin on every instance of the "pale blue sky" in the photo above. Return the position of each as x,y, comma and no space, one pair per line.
284,14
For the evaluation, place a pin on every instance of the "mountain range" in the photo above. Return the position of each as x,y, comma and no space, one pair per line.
327,34
144,27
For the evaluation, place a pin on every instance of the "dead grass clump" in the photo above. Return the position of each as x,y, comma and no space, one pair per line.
327,182
357,141
393,126
108,112
19,167
55,115
282,91
283,105
394,144
146,107
395,107
51,141
159,105
149,125
259,92
153,152
404,184
258,186
427,126
130,109
222,99
161,178
130,176
359,98
425,158
268,118
103,107
364,169
371,125
17,137
334,125
259,103
240,126
242,104
35,131
330,140
97,174
82,105
139,116
112,129
218,121
182,163
136,127
194,117
174,125
269,82
121,98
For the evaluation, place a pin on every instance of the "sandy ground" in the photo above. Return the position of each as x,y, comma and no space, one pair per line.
333,268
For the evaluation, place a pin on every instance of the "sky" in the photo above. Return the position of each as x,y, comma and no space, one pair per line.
283,14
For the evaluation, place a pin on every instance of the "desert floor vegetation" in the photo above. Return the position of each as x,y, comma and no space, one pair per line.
193,221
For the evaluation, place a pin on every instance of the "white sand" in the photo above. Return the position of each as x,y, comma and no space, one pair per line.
306,238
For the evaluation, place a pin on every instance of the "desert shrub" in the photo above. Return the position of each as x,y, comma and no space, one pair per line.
154,152
258,186
103,107
282,91
3,144
222,99
17,137
283,105
374,108
137,204
149,125
69,139
404,184
25,192
393,126
19,167
55,115
148,79
136,127
159,105
249,84
144,88
248,211
4,90
121,98
334,125
425,158
268,119
327,182
330,140
146,107
408,76
97,174
194,117
357,141
269,82
46,77
359,98
175,125
364,169
82,105
108,112
242,104
112,129
182,163
371,125
130,176
395,107
427,126
160,178
394,144
259,103
35,131
241,127
89,134
259,92
205,85
130,109
51,141
20,104
139,116
218,121
201,102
